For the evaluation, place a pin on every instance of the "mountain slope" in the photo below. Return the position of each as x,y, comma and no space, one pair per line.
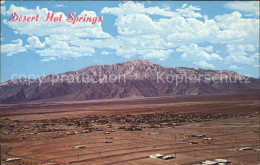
136,78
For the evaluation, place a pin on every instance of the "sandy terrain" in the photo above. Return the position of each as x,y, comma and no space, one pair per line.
133,129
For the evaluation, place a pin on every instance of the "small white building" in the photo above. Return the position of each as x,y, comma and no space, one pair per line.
12,159
208,139
246,149
156,156
167,157
209,162
80,147
224,161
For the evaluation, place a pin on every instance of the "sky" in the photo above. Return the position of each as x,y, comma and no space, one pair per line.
219,35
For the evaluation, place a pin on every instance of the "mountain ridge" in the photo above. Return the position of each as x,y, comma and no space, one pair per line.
135,78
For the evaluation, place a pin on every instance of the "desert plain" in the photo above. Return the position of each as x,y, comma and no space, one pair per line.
192,129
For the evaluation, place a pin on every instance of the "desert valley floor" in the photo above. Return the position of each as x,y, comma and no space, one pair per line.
191,129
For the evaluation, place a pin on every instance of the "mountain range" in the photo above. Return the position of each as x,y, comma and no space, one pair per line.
136,78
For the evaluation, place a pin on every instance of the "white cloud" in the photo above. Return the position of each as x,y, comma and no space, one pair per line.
157,54
241,48
245,54
193,52
105,53
138,32
57,5
143,25
128,47
234,67
204,64
47,59
235,29
11,49
3,10
98,61
189,11
61,49
34,42
134,22
131,8
256,66
134,19
247,7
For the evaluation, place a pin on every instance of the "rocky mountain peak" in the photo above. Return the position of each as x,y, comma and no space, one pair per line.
139,62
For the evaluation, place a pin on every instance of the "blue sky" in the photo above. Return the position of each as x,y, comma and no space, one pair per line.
209,35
